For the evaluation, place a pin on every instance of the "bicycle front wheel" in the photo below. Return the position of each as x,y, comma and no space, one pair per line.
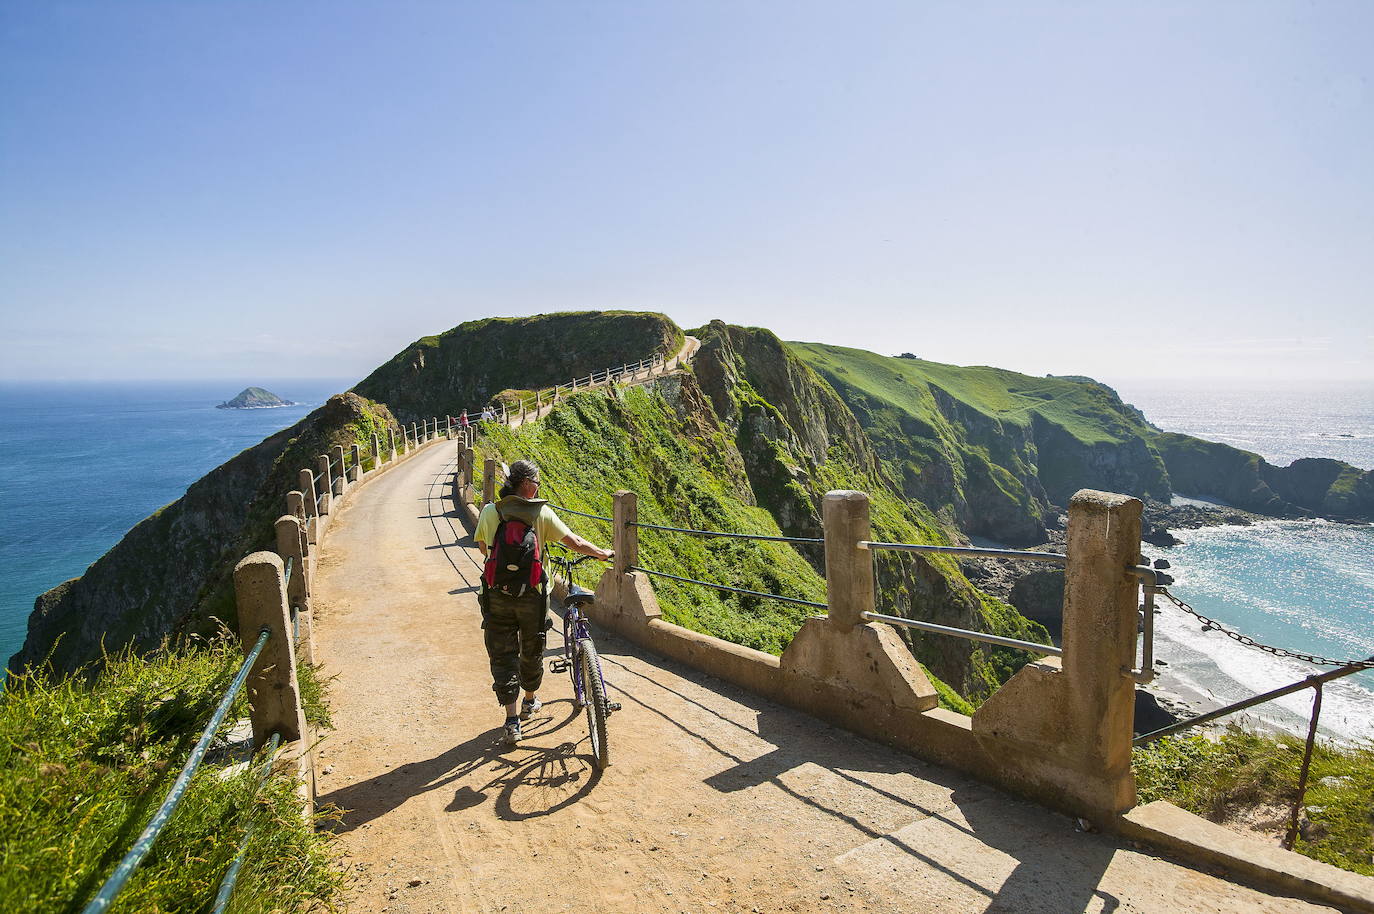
594,693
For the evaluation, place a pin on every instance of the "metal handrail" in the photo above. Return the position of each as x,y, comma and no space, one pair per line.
967,634
970,551
106,896
231,876
720,533
752,593
580,513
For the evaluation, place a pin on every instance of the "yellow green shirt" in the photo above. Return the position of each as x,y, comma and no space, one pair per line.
548,526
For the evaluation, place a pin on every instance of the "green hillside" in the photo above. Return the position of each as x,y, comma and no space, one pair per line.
991,450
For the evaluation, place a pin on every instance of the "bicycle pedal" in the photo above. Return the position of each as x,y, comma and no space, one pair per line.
558,666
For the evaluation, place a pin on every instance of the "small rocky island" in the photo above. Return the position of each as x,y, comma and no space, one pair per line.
255,398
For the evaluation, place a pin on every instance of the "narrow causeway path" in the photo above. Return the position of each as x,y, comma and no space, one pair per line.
716,800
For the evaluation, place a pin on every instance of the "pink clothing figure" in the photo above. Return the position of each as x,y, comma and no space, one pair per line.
464,419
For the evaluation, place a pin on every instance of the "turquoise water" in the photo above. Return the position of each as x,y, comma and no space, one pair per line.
1303,585
86,462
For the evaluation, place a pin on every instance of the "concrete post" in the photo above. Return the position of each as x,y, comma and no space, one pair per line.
298,587
469,458
489,481
295,505
340,481
357,468
538,401
848,569
326,484
522,410
626,537
434,428
1100,625
391,438
376,452
273,693
448,426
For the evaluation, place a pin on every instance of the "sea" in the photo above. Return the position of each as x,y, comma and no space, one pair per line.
1306,586
88,461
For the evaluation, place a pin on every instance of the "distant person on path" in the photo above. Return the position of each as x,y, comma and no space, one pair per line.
487,414
463,419
512,534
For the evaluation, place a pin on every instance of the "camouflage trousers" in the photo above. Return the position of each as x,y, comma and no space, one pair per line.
515,632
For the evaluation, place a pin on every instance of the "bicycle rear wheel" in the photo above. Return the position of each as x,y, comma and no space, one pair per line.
594,692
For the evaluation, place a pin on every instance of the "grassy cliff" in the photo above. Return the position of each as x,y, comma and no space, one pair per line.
469,365
750,442
993,451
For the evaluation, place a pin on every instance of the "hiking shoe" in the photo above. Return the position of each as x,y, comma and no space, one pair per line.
529,706
511,735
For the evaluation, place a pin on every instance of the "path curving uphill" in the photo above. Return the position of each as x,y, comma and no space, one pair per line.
716,800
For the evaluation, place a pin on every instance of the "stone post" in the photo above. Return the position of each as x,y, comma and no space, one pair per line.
469,459
295,506
1101,617
848,569
298,586
391,437
522,410
326,484
448,426
489,481
434,428
626,537
340,481
273,693
376,452
538,401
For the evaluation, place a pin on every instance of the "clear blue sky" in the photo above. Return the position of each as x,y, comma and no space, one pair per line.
1128,190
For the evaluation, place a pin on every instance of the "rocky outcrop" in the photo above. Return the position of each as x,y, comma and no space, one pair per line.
1305,488
255,398
172,573
466,367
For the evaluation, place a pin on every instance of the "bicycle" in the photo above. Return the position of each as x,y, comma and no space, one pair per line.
581,661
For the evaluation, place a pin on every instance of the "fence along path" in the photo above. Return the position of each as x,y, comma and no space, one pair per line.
717,800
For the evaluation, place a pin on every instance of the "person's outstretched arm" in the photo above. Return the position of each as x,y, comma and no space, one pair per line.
578,544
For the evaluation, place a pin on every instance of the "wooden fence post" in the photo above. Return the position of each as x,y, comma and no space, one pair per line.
848,568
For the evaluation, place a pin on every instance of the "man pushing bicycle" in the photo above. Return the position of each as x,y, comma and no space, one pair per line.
512,534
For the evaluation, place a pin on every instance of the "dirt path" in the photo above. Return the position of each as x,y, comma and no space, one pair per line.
716,800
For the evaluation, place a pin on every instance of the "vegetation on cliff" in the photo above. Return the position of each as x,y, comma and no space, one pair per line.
86,760
1310,486
466,367
1250,779
750,442
990,450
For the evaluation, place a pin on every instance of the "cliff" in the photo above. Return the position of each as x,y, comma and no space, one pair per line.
1310,486
466,367
995,452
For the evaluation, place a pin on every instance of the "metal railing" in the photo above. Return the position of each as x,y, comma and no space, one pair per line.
231,876
106,896
810,540
581,513
740,590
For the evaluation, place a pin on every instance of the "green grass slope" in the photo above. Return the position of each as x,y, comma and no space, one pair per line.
989,449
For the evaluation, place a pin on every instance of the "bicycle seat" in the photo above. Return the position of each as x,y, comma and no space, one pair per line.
579,597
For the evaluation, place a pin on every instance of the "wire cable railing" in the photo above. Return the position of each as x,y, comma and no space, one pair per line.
117,879
808,540
969,551
726,587
581,513
231,876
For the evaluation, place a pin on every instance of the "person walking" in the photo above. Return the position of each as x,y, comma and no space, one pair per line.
512,534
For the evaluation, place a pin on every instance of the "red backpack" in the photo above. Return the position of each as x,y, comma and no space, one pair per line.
513,565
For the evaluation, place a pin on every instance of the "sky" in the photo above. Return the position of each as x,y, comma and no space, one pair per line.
1124,190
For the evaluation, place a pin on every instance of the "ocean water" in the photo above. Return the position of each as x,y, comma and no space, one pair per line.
87,461
1302,585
